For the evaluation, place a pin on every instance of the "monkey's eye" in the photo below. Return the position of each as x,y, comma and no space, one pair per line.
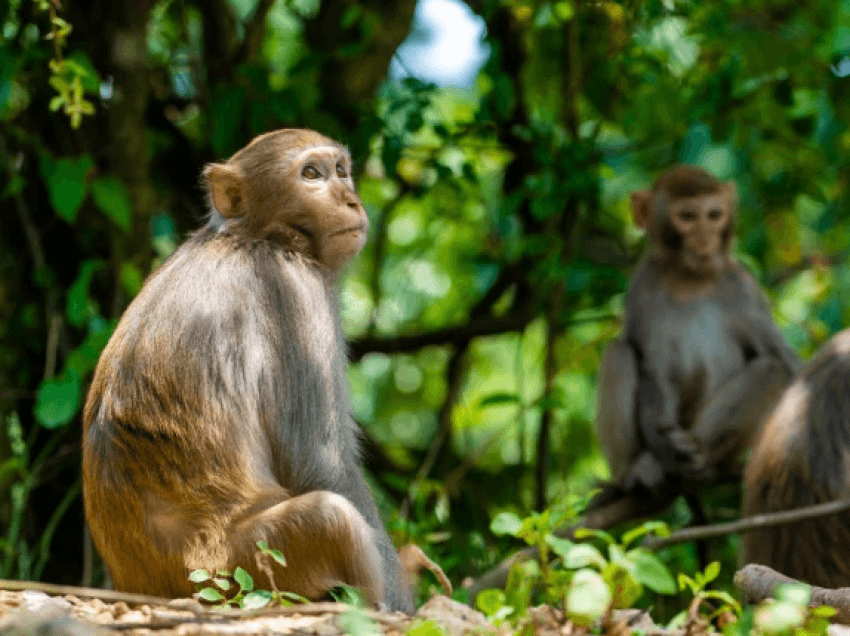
687,215
340,171
310,172
714,214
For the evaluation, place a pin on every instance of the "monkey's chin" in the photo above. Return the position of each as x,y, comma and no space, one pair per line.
338,249
704,266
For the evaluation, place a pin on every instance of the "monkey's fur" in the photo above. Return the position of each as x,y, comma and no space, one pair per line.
219,412
801,459
700,362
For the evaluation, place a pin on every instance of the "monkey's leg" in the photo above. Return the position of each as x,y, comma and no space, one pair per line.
616,396
729,422
397,592
325,541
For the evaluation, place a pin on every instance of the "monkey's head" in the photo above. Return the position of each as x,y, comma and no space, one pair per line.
689,215
293,187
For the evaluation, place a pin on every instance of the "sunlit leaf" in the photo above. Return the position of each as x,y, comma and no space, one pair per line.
246,583
256,599
588,597
210,594
506,523
650,571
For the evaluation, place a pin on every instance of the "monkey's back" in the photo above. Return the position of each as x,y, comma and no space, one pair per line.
197,398
802,458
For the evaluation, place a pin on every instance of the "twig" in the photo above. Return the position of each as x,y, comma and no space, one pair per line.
748,524
454,377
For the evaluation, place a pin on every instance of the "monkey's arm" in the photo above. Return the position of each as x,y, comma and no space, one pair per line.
754,326
616,397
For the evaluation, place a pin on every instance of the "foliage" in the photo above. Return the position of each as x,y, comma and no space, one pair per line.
221,590
788,615
585,581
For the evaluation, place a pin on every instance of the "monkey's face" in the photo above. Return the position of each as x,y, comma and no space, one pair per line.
325,206
703,227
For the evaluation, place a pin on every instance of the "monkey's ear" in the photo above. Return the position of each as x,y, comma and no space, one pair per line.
224,184
641,203
730,191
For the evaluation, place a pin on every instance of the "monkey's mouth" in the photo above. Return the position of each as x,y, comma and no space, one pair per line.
704,263
354,229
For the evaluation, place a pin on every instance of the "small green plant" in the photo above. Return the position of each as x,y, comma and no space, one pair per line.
788,615
729,608
588,581
222,584
67,76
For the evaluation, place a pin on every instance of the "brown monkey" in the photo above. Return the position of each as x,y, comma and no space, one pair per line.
219,411
800,459
700,360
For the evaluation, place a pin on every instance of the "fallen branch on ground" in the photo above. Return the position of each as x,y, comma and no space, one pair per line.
757,583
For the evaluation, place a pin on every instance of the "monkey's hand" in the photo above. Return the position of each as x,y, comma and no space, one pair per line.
646,472
691,457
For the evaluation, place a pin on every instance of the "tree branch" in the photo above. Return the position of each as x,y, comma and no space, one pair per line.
748,524
255,29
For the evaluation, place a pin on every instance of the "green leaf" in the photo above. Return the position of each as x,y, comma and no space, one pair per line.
256,599
210,594
291,596
222,583
274,553
506,523
132,278
199,576
110,196
77,301
583,555
588,533
588,597
391,153
559,546
87,71
57,400
356,623
652,572
246,583
712,571
497,399
350,16
425,628
66,183
798,593
779,617
490,601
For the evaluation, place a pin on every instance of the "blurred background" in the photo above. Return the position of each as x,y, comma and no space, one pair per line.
496,143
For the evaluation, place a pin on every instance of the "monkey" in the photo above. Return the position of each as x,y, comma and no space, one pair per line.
700,361
218,414
800,459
